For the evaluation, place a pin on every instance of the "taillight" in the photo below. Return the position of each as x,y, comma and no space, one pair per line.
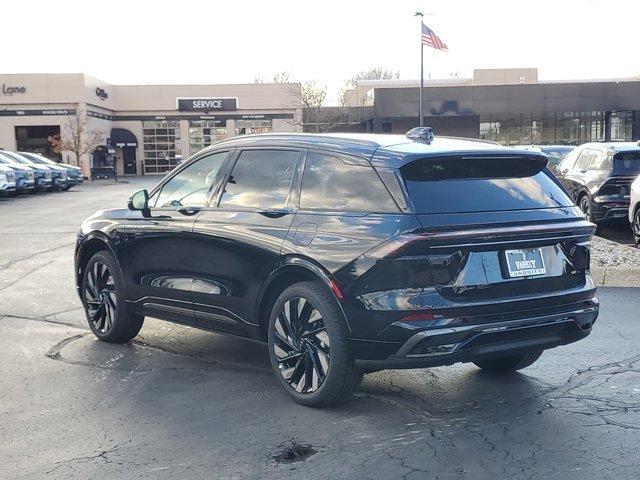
407,244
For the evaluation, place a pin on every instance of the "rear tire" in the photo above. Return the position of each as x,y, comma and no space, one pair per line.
108,315
509,364
636,227
585,206
308,346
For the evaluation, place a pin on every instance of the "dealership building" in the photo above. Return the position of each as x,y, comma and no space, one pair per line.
510,106
146,129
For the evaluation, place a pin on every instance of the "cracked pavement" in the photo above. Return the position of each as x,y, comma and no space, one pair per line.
182,403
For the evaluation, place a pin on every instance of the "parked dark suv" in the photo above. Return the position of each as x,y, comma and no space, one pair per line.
598,176
349,254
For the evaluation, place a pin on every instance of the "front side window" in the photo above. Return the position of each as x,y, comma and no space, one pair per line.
584,160
328,183
260,179
190,187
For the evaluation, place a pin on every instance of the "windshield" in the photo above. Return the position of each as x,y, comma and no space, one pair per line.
626,164
556,154
18,158
37,158
7,160
459,185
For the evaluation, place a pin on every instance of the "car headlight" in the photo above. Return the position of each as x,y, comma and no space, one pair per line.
3,177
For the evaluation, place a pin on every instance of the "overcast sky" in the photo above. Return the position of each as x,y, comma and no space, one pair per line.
230,41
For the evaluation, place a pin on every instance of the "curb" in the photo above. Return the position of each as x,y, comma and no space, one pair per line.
616,276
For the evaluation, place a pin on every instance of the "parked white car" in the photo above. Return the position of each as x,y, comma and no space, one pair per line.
634,210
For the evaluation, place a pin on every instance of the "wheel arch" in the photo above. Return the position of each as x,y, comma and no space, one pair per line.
293,270
92,243
581,193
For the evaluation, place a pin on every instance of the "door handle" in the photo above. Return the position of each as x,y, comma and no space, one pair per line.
190,210
274,213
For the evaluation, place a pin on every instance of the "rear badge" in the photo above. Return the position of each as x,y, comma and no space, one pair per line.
525,262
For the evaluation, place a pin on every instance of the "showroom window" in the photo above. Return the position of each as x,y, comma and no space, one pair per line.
162,150
247,127
203,133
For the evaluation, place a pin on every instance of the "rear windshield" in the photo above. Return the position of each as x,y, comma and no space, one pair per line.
626,164
467,184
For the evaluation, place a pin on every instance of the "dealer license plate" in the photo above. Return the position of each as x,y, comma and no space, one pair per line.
526,262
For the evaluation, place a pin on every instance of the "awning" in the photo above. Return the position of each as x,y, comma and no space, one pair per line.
121,137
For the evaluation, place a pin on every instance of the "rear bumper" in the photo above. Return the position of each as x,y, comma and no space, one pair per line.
478,338
603,212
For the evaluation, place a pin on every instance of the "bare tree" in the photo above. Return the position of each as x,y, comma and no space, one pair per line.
311,96
258,79
76,137
283,77
375,73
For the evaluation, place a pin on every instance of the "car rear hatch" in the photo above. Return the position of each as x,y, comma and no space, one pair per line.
497,228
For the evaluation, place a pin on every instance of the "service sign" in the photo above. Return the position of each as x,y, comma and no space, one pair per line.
207,104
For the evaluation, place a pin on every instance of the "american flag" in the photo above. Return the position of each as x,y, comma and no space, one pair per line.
430,39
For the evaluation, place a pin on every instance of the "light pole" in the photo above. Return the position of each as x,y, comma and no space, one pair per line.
420,15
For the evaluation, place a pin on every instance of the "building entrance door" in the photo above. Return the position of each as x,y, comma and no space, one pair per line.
129,160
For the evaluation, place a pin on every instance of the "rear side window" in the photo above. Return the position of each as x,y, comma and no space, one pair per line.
329,183
468,184
260,179
600,161
627,164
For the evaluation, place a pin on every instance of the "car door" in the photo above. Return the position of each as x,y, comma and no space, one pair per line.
239,237
574,174
157,246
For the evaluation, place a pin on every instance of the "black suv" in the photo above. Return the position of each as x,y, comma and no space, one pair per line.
598,176
349,254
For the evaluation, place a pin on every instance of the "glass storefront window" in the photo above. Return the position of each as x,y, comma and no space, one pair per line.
572,128
161,143
621,126
203,133
247,127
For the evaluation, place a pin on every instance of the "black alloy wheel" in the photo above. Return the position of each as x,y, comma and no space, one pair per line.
585,206
636,227
302,345
308,346
100,297
108,315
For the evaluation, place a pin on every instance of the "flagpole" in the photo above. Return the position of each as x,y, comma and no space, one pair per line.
421,76
420,114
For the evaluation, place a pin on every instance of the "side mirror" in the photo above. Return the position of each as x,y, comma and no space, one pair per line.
139,201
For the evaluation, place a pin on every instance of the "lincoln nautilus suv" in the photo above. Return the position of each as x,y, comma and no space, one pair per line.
347,254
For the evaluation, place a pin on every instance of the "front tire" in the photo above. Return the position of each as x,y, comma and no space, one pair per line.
308,346
108,315
509,364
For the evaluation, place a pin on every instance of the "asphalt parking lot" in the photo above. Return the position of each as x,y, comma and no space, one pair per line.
181,403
